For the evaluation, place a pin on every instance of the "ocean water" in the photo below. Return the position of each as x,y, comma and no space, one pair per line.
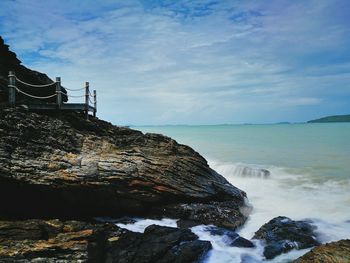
309,177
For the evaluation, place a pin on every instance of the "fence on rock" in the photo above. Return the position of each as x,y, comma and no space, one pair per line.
89,105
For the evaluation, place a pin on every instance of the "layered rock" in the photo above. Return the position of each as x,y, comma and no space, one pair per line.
282,234
334,252
10,62
74,241
66,167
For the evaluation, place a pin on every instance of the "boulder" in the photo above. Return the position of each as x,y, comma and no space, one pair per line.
158,244
67,167
282,234
334,252
77,241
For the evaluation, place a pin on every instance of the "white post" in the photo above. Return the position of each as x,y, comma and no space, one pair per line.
95,103
87,100
58,92
12,89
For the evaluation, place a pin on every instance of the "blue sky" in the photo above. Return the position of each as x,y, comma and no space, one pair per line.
191,62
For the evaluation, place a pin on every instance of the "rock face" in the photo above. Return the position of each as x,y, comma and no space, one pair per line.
74,241
66,167
282,234
334,252
10,62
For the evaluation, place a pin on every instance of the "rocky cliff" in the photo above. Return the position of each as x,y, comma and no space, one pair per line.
10,62
63,166
58,165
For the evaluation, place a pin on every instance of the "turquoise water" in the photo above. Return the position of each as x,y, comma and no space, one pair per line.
309,166
321,150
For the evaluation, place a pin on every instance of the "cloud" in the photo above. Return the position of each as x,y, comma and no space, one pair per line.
190,61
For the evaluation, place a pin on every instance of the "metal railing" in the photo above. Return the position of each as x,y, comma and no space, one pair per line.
13,88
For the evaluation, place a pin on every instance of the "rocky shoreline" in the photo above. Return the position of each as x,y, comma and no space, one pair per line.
58,172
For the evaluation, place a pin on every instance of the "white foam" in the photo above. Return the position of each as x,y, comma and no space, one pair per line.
293,195
282,193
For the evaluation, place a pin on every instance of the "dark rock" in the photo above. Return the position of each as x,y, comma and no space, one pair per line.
120,220
247,171
334,252
67,167
159,244
182,223
232,238
76,241
229,214
53,241
282,234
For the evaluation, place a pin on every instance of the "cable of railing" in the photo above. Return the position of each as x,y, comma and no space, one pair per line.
75,89
35,86
32,96
75,96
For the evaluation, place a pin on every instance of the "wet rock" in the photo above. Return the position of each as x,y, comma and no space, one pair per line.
334,252
66,167
247,171
182,223
158,244
229,214
76,241
282,234
231,237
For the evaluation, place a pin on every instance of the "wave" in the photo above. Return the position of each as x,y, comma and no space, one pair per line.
295,195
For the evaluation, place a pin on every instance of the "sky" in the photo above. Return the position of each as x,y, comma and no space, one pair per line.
191,62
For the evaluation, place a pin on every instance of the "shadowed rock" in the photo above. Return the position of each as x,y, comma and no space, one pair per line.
282,234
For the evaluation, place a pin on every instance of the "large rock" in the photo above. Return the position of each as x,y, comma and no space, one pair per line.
158,244
64,166
334,252
282,234
74,241
10,62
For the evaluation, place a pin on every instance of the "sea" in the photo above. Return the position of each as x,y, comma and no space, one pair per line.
309,178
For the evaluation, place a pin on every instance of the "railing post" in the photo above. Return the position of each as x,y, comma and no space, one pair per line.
58,92
87,100
95,103
12,89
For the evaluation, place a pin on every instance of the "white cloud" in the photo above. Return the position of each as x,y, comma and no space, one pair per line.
187,62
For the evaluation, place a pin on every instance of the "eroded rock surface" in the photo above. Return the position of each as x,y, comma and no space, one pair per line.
64,166
282,234
334,252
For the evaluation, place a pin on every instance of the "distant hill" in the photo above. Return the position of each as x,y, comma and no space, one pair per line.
337,118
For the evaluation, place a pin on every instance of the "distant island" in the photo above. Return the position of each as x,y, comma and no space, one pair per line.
336,118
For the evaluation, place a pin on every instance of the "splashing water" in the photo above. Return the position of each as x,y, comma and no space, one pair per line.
301,171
